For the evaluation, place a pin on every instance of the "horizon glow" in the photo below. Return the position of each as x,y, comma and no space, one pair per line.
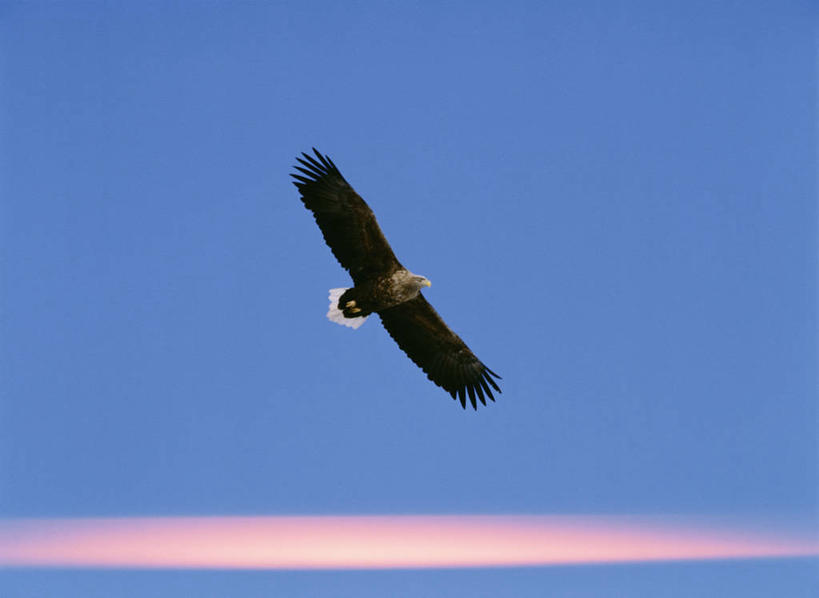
387,541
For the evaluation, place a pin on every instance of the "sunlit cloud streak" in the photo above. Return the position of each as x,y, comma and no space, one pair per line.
385,542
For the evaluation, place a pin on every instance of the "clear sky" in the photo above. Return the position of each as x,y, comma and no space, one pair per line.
615,203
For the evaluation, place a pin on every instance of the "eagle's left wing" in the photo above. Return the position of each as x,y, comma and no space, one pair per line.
444,357
346,221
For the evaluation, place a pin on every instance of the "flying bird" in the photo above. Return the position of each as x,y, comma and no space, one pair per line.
384,286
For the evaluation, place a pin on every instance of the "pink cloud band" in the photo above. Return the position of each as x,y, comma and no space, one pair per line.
382,542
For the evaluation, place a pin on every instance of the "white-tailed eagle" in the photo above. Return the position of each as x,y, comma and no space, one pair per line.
384,286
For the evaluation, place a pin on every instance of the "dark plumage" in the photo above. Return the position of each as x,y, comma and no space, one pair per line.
384,286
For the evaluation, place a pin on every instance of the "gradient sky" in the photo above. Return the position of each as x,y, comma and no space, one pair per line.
615,202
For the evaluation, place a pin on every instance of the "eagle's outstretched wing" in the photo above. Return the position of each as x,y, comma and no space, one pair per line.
444,357
346,221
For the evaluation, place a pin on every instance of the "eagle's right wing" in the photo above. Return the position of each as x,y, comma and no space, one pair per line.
346,221
444,357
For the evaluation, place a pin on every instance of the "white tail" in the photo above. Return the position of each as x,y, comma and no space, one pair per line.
334,314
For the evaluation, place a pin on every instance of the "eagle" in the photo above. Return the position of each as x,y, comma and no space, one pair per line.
383,286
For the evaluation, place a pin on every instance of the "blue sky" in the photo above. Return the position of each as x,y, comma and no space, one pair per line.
615,202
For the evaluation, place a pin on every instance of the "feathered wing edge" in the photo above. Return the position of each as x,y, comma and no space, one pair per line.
440,353
315,169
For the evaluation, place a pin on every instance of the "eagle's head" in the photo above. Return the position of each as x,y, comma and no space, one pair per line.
421,281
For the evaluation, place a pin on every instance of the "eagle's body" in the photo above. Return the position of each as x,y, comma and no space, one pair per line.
383,292
384,286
